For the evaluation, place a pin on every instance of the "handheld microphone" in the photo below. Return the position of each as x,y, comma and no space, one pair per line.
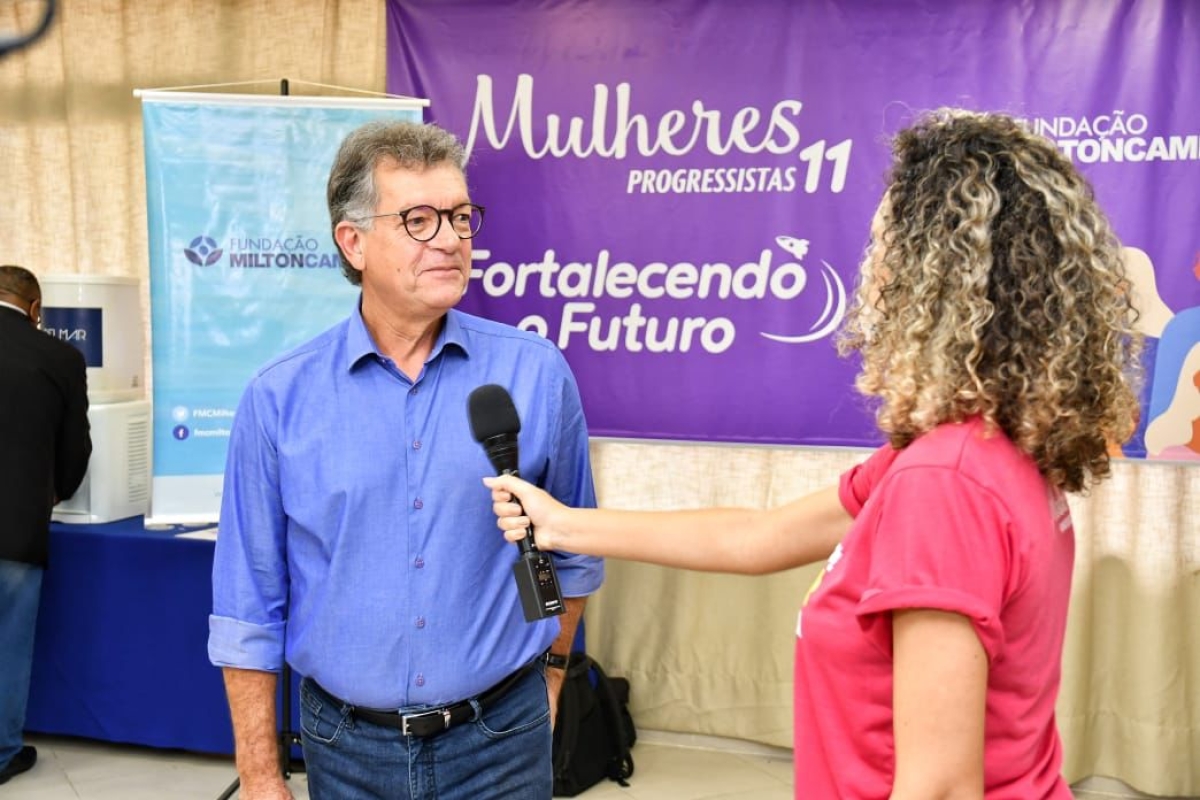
495,425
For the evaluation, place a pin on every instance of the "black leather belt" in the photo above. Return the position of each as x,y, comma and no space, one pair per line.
436,720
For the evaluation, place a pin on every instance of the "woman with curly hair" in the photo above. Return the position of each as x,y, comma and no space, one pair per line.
994,322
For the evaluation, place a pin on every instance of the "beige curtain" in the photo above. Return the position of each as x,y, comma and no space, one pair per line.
71,130
706,654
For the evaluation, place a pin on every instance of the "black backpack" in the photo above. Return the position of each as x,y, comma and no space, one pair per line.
593,731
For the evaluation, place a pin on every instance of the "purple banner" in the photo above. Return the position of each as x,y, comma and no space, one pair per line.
678,192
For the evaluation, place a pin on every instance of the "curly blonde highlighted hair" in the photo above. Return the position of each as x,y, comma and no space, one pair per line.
997,289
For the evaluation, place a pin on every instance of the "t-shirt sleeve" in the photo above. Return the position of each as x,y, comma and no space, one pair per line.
569,479
856,483
937,541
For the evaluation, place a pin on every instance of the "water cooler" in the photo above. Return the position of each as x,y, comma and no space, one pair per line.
101,316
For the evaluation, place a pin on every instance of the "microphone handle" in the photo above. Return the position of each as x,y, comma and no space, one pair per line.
527,544
537,580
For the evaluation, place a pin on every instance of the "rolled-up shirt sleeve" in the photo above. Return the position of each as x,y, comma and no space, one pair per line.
569,479
247,626
940,542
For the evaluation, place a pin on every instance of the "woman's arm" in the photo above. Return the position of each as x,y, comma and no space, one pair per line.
940,674
736,540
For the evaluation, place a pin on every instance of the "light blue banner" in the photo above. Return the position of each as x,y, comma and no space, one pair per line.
243,266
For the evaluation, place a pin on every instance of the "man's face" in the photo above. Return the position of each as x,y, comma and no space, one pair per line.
411,278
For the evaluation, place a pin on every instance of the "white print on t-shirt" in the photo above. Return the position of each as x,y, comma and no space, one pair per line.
834,558
1060,510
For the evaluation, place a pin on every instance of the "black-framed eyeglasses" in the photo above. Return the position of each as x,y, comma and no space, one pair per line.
424,222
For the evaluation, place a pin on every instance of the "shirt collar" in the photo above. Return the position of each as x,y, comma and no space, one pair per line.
24,313
359,343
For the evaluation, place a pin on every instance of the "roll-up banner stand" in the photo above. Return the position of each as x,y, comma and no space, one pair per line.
242,263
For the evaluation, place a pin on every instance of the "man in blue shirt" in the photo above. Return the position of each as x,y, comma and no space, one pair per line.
354,540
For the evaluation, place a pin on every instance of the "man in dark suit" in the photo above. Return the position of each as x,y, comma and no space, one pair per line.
45,443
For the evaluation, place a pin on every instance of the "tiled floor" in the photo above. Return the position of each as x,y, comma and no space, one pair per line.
669,767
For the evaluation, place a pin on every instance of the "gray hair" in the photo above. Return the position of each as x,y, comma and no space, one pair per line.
352,194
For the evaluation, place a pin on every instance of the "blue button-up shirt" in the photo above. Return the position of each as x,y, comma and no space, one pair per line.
356,538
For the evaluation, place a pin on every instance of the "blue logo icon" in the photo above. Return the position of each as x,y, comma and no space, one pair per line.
203,251
180,432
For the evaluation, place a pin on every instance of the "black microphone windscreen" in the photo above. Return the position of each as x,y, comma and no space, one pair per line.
492,412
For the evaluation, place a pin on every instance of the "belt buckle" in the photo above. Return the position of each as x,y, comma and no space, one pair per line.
443,712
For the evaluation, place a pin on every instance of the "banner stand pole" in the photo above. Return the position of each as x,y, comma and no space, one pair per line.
287,737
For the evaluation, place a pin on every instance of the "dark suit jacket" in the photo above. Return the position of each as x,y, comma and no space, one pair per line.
45,440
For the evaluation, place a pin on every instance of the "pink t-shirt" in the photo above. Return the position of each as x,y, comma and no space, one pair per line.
958,521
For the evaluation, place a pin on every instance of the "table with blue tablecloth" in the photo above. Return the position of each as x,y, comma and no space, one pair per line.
121,650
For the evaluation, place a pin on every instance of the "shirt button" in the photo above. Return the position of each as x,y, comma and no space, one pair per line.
413,390
417,444
419,563
420,680
420,622
418,504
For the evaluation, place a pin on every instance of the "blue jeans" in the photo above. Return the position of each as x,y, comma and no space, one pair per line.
20,592
504,753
